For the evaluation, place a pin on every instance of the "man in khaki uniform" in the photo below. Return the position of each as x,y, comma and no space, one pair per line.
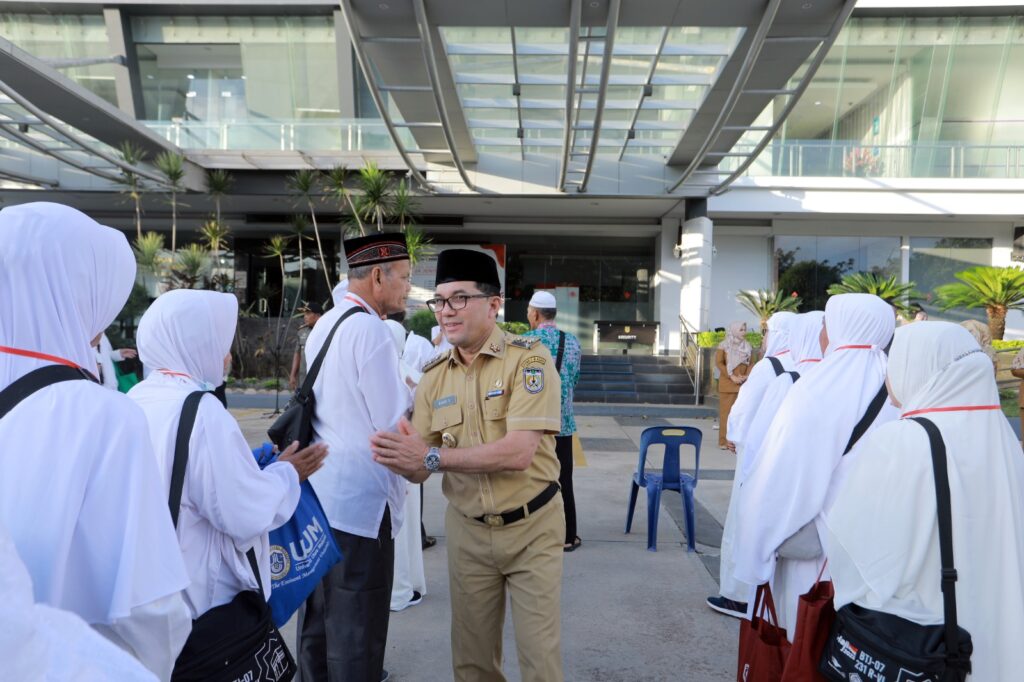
486,414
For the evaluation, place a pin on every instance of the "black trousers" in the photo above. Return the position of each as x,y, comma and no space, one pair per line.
344,629
563,449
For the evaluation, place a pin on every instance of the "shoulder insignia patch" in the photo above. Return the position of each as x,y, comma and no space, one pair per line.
438,359
524,342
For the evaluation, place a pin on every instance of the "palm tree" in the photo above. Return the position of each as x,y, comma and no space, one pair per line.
215,233
276,247
896,294
147,253
764,304
133,155
403,206
997,290
173,167
336,183
375,201
188,266
417,243
218,184
299,227
305,182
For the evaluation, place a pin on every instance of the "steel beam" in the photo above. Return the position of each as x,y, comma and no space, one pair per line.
570,95
602,95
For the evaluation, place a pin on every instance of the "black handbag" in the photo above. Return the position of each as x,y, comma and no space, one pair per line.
867,645
296,422
237,640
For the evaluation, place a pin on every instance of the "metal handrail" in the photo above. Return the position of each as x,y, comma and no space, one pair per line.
687,345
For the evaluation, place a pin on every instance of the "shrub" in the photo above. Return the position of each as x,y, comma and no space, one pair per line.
515,327
420,323
712,339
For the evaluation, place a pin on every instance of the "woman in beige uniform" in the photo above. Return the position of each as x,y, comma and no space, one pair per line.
733,360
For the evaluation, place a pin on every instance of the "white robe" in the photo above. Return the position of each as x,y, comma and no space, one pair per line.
81,495
800,462
882,534
227,504
39,643
106,356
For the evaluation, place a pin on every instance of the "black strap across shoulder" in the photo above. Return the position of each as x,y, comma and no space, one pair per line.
945,515
36,380
185,425
795,376
776,365
561,351
302,395
874,407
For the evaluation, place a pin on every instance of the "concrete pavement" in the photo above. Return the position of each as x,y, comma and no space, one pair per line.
628,615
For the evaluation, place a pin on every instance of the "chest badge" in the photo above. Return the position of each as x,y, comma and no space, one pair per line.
533,379
448,440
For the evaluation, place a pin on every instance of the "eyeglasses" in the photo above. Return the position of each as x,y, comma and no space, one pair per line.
456,302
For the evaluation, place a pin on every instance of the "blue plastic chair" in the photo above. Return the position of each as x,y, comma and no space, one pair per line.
669,478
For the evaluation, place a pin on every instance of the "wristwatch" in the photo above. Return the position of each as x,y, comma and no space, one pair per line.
432,460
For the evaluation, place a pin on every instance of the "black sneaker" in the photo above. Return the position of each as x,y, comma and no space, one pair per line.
385,676
429,541
416,598
736,609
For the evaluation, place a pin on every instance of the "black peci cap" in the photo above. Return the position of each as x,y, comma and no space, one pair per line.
463,265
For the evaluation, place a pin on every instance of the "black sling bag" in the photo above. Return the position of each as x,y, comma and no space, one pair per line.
233,641
296,422
895,648
35,380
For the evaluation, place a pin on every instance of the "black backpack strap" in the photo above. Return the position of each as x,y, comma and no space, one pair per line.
36,380
874,407
302,395
561,351
795,376
251,556
776,365
945,514
188,420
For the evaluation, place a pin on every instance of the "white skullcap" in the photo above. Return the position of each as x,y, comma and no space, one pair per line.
543,299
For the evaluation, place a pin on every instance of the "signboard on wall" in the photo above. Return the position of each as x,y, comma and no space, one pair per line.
425,271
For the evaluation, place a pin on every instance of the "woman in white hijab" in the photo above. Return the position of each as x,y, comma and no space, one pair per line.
228,505
80,493
800,459
803,339
882,531
39,643
776,345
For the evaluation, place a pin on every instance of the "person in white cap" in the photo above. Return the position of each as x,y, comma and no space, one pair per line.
565,349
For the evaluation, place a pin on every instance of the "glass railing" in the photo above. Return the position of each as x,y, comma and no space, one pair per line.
811,158
346,135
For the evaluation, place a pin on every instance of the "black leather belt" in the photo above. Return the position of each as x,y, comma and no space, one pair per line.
499,520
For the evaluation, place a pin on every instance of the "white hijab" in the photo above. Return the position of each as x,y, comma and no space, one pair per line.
776,344
790,483
882,532
80,493
189,332
63,279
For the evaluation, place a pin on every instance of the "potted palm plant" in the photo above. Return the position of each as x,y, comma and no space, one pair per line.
997,290
764,304
897,294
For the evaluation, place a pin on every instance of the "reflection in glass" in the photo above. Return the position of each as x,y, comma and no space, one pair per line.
808,266
934,261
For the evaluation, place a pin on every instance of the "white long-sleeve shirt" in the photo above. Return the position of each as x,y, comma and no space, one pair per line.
228,504
358,392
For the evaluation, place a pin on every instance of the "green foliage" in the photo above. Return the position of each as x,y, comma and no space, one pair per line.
133,155
995,289
421,322
1011,345
403,206
172,166
147,251
417,243
515,327
810,280
336,178
375,201
215,233
304,183
712,339
188,267
218,182
764,304
899,295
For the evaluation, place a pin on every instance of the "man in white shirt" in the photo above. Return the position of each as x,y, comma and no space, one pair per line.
358,391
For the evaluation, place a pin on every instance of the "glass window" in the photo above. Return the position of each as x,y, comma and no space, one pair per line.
936,260
224,69
62,37
808,266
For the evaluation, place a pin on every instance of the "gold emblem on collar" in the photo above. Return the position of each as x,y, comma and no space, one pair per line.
448,440
494,348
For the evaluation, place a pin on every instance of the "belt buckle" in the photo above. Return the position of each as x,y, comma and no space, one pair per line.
494,520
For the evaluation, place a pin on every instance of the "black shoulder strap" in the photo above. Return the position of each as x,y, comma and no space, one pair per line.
35,380
561,351
945,514
874,407
795,376
307,386
776,365
185,423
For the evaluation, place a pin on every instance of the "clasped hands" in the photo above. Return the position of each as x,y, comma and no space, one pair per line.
402,452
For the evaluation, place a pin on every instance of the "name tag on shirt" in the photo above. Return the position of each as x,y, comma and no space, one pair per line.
495,393
445,401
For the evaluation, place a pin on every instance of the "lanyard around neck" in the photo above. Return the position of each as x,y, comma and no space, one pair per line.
350,297
954,408
39,356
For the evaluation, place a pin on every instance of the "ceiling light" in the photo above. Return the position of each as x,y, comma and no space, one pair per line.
190,76
190,93
817,103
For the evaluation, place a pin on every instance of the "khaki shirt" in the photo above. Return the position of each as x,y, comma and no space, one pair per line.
511,385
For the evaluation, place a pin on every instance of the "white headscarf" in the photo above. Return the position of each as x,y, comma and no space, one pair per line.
882,532
63,279
80,493
790,483
189,332
737,348
761,374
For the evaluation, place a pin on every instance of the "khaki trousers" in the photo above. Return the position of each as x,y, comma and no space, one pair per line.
725,403
525,559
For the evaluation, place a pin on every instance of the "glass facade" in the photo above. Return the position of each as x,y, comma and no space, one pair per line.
808,266
63,37
936,260
909,97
